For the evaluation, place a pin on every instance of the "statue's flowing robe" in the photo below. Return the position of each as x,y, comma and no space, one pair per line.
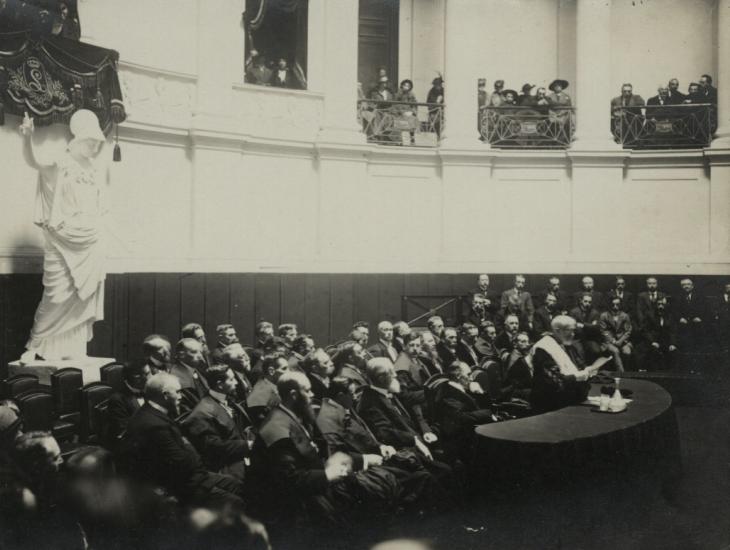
69,204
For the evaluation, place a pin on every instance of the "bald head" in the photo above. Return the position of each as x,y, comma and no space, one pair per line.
190,352
163,389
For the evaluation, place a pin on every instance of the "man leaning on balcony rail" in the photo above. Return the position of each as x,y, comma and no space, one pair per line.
622,106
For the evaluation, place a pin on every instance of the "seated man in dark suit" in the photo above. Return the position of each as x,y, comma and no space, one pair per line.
157,353
318,367
458,412
628,304
447,346
480,315
217,426
514,308
658,339
122,404
657,102
384,413
588,332
344,430
156,452
544,315
505,341
435,326
384,347
238,360
410,369
466,350
523,299
561,297
350,363
292,476
429,355
196,332
517,381
302,346
189,367
645,300
401,330
588,287
226,335
557,380
485,344
263,396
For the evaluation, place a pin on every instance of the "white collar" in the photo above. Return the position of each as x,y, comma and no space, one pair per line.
158,407
457,386
386,393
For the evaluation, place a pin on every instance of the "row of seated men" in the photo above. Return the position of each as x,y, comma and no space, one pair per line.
654,324
300,437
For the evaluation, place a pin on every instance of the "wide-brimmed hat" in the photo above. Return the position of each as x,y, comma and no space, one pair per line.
85,125
514,93
562,83
527,87
499,83
407,81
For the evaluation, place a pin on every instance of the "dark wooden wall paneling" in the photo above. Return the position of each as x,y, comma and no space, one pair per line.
325,305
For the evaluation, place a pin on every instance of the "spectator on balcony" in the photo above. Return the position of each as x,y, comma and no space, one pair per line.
675,96
558,97
256,70
662,98
382,92
693,94
526,99
509,98
541,100
407,109
482,92
283,76
436,96
496,99
707,91
623,108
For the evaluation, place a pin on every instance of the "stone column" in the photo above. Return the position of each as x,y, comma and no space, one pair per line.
593,80
723,75
460,88
339,123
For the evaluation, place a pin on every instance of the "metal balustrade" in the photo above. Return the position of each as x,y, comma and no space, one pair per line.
401,123
523,127
664,126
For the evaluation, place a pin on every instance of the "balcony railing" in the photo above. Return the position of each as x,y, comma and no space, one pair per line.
663,126
513,127
397,123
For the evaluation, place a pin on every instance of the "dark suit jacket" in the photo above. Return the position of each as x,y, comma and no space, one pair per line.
627,304
676,98
445,354
652,330
542,320
599,302
415,368
289,81
550,388
387,418
526,305
158,454
380,350
467,353
345,431
644,305
689,309
351,372
562,297
121,406
190,378
494,299
319,389
590,319
457,413
220,439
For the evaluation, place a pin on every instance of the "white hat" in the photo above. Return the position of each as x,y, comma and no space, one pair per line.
85,125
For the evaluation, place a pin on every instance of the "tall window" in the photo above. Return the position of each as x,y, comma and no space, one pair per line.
276,43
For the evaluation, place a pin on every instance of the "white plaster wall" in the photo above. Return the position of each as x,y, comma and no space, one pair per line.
252,187
655,40
155,33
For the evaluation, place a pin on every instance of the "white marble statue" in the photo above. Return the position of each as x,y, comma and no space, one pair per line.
70,204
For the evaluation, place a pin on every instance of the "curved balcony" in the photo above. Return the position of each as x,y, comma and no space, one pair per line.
664,126
401,123
513,127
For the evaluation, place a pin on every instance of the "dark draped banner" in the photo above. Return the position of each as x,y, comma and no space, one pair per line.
50,76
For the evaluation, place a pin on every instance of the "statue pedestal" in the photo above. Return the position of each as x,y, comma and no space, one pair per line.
43,369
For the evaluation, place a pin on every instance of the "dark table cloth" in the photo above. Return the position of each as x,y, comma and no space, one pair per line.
575,441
